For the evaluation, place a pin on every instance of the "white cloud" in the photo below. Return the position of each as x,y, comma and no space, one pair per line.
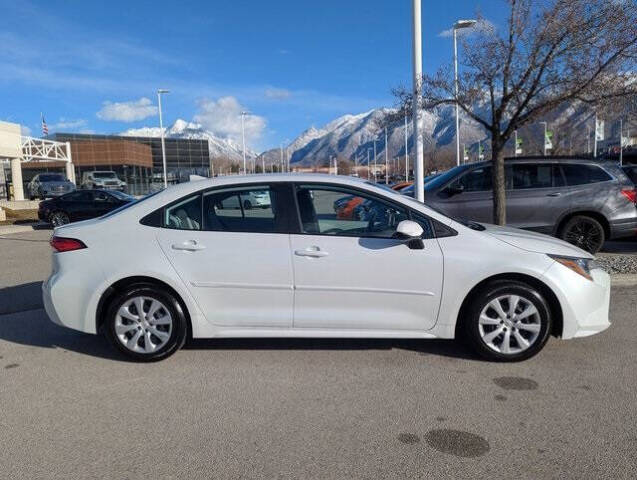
25,131
66,124
283,51
223,118
131,111
482,26
277,93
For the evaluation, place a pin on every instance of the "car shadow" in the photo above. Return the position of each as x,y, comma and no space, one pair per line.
23,321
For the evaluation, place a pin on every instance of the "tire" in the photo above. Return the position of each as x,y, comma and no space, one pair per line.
167,330
247,205
584,232
533,329
59,218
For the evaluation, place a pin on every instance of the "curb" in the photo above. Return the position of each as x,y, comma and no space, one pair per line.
623,280
9,229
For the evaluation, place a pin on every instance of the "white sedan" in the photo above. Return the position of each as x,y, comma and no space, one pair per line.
186,262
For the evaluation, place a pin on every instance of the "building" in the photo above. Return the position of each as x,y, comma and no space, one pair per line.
136,160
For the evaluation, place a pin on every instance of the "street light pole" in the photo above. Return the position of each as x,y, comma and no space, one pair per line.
161,131
544,140
386,159
375,157
457,26
243,137
406,152
419,191
621,142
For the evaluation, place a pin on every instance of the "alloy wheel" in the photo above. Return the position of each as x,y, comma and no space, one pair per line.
509,324
143,324
59,218
585,235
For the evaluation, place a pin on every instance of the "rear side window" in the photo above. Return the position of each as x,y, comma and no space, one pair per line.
246,209
532,176
584,174
184,215
77,197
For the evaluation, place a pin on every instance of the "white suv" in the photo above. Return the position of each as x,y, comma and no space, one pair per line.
104,180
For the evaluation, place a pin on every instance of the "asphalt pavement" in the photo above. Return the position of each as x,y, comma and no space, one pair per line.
71,407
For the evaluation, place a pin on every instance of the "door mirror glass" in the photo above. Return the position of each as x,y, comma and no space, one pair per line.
409,229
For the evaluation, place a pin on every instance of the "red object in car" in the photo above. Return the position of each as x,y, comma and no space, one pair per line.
630,195
63,244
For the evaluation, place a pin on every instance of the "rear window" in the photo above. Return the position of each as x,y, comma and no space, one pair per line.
584,174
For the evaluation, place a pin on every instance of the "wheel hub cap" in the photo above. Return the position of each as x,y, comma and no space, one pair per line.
143,324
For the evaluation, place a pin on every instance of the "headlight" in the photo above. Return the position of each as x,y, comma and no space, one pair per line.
581,266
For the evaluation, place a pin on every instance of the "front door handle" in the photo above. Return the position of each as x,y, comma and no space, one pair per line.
189,246
554,194
314,252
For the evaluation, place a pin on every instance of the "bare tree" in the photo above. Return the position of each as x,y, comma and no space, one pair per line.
552,52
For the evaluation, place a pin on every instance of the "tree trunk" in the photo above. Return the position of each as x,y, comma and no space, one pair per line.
497,175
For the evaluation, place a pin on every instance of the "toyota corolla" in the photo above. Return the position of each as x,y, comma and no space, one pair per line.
193,262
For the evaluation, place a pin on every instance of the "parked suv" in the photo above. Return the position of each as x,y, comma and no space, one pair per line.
48,185
104,180
584,202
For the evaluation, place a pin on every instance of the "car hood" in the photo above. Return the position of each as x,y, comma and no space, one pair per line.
535,242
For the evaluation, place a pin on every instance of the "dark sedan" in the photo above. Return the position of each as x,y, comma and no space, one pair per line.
81,205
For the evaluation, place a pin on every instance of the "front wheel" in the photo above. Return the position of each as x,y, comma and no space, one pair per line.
146,323
507,321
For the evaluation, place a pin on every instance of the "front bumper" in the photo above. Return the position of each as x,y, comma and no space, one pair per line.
585,303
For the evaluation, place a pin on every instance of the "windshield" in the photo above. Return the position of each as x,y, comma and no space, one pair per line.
52,177
130,204
104,174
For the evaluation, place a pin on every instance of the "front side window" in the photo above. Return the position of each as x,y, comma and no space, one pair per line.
477,180
583,174
335,211
184,215
245,209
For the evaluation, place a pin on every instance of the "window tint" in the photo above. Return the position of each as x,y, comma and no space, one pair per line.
477,180
184,215
77,197
582,174
247,209
532,176
334,211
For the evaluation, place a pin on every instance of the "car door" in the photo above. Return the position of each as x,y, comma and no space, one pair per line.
351,274
536,196
78,205
235,261
470,196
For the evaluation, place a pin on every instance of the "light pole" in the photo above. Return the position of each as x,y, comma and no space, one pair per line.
406,152
243,136
161,132
419,191
457,26
386,159
621,142
368,165
544,140
375,157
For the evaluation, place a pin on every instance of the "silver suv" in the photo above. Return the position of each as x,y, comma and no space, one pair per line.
104,180
582,201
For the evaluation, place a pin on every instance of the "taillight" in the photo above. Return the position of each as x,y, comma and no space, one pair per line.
630,195
62,244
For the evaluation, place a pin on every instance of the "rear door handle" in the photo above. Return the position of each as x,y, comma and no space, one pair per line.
554,194
188,245
314,252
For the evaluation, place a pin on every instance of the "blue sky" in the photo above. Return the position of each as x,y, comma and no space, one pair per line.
94,66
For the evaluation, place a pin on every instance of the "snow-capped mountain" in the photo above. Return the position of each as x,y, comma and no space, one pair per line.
225,148
352,137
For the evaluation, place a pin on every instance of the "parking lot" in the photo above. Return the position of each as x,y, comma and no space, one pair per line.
73,408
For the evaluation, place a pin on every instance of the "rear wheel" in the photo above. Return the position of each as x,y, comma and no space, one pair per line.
146,323
507,321
584,232
59,218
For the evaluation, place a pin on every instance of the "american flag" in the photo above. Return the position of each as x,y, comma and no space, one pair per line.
45,128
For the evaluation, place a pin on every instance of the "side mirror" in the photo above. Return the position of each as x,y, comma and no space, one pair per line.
411,232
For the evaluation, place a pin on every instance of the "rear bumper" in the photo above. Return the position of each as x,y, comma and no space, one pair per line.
585,303
626,227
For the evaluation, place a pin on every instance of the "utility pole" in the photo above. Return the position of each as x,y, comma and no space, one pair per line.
621,142
419,191
375,157
368,169
595,139
386,159
588,139
544,140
